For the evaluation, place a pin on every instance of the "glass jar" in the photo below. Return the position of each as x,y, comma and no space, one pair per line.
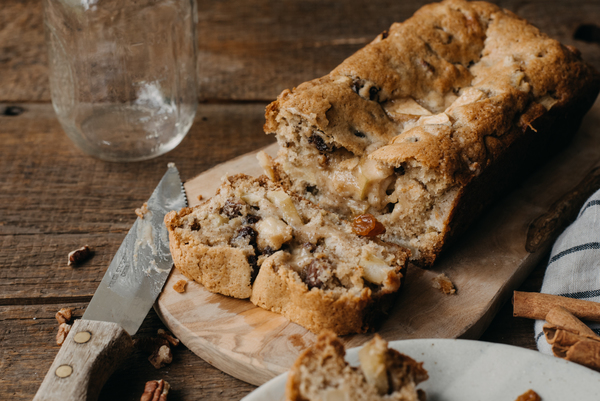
123,74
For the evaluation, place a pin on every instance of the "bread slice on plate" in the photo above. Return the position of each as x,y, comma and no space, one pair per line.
255,240
433,120
321,374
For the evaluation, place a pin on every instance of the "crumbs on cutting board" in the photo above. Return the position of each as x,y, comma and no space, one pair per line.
443,283
180,286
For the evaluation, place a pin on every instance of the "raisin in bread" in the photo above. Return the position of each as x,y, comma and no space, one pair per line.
321,374
432,121
253,239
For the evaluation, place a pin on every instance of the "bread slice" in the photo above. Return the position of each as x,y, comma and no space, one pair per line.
432,121
314,269
321,374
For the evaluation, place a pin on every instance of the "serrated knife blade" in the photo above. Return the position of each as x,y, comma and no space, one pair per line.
142,264
101,340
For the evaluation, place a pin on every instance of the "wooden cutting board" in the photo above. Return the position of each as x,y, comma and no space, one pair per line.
486,265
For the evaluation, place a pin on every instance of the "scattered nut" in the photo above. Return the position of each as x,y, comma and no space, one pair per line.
442,282
156,390
80,255
159,347
64,315
141,211
161,357
169,337
63,332
180,286
367,225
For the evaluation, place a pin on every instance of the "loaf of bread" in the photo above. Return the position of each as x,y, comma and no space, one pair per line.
253,239
433,120
321,374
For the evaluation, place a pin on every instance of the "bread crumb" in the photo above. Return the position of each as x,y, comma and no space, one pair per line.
200,197
180,286
141,211
443,283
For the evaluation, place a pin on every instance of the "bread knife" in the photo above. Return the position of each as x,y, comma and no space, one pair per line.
101,340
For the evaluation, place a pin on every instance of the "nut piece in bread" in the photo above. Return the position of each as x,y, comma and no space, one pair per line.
254,239
432,121
321,373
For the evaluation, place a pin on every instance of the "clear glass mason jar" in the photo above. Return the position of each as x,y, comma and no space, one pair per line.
123,74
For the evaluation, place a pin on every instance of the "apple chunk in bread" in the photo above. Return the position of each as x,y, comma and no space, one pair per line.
432,121
256,240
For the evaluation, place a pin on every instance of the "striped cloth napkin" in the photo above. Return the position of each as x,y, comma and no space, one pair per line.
574,266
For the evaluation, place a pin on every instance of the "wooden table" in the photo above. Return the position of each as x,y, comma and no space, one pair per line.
54,199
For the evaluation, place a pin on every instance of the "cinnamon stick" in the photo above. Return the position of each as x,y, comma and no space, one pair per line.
573,347
559,316
534,305
571,339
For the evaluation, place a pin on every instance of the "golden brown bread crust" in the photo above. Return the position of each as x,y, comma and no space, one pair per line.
281,290
229,273
322,369
311,266
490,98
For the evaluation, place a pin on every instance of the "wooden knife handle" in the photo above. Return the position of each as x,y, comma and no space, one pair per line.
90,354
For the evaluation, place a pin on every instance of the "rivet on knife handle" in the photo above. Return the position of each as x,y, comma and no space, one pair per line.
87,358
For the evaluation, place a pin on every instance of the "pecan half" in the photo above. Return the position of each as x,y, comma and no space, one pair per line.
64,315
156,390
63,332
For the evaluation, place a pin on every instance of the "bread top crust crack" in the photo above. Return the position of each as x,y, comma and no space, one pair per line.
404,128
477,70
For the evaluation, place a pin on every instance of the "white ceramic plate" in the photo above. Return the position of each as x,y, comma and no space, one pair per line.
465,370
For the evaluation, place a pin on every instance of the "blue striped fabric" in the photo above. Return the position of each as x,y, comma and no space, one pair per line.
589,204
574,266
589,245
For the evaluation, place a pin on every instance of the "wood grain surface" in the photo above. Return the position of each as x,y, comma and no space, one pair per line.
254,49
53,199
486,265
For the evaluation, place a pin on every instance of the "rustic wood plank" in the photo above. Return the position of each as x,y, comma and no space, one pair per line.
27,334
54,199
253,49
23,56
